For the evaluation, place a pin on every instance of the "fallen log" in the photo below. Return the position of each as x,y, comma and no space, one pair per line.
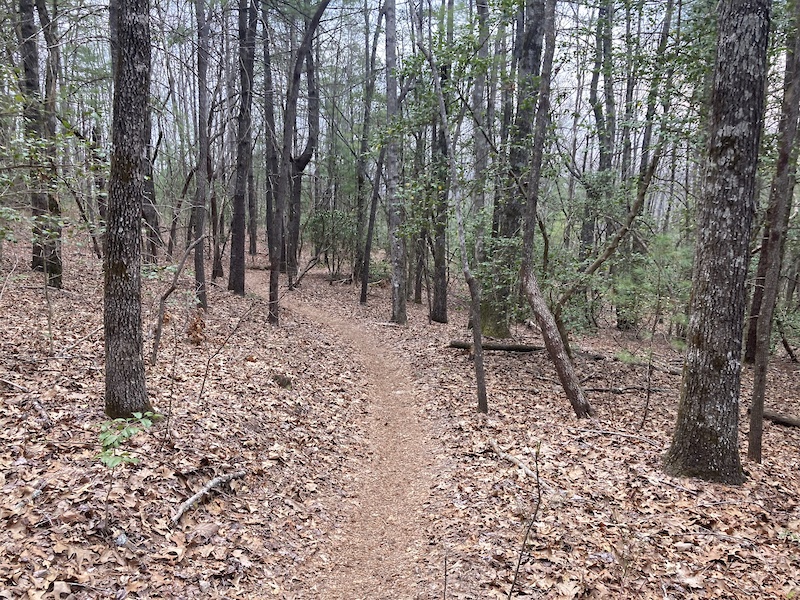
497,346
779,419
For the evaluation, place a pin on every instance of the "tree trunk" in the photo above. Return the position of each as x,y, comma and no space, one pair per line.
394,202
283,188
248,11
705,441
45,254
199,206
480,113
252,209
274,223
126,390
438,309
51,246
530,286
298,166
772,250
507,220
472,283
362,178
371,226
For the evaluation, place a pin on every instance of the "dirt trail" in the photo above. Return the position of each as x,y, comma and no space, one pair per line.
376,552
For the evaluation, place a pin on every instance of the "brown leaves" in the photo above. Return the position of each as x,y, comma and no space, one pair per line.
288,406
246,539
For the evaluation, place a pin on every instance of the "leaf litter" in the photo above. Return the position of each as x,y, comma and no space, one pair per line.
291,407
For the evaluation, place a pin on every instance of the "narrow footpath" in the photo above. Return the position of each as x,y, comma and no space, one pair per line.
375,553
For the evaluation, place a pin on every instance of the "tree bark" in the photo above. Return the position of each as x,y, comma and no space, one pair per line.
705,441
362,179
199,206
45,254
283,188
469,278
394,202
274,223
772,251
248,11
298,166
51,235
126,390
497,346
507,218
371,226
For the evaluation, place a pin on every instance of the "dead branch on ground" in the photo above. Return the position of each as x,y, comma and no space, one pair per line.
619,434
216,482
497,346
779,419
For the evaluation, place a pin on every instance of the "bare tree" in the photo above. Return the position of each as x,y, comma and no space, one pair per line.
199,206
530,286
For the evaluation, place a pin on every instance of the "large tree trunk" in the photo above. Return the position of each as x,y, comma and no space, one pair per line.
705,441
126,390
394,202
248,12
780,205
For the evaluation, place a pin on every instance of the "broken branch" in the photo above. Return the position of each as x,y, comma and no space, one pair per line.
216,482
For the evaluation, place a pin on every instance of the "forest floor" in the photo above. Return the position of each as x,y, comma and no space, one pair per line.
368,472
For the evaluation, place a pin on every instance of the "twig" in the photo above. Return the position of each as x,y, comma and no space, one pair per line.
525,468
224,343
84,338
620,434
518,463
625,390
15,385
217,481
8,278
532,519
162,304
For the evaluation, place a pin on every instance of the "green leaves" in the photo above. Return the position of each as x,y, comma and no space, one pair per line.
116,432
